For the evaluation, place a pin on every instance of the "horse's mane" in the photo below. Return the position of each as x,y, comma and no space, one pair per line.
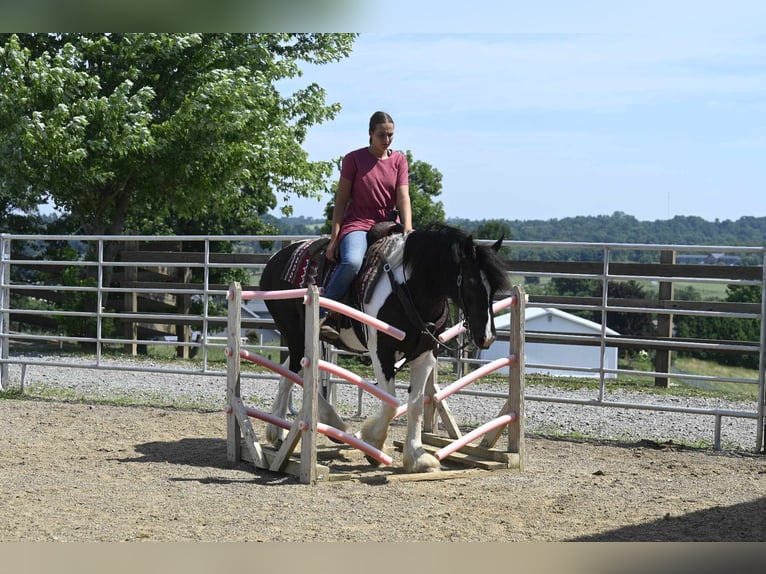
436,250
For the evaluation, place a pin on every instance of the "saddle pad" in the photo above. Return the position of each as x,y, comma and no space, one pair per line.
386,250
308,265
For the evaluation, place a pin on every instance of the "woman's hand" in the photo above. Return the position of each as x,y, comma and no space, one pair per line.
330,250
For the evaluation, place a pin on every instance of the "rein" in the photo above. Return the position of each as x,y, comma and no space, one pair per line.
428,329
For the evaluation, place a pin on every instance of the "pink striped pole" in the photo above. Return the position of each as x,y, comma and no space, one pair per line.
360,382
283,294
337,434
358,444
263,361
463,382
474,434
471,377
333,305
325,366
455,330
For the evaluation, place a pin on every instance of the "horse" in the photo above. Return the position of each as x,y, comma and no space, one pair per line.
422,271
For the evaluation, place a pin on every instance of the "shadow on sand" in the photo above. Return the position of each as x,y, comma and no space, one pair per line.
745,522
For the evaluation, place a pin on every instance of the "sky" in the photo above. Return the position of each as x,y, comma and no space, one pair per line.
555,119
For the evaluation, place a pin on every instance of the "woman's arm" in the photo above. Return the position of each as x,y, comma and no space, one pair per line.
342,195
404,207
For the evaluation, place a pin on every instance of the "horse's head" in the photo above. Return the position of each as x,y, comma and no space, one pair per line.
444,262
481,275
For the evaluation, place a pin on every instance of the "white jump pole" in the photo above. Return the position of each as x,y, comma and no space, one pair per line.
355,379
271,365
463,381
362,317
283,294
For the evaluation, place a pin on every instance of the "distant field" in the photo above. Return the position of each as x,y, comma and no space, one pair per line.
706,291
697,367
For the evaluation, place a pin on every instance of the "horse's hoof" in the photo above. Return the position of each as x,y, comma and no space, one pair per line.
373,461
274,436
424,463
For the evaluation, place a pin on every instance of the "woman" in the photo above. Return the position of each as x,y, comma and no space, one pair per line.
373,181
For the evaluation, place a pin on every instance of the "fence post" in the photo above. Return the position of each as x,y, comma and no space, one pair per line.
664,323
233,430
5,301
130,303
516,377
310,410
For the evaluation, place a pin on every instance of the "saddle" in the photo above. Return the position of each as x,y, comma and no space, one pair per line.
385,249
309,266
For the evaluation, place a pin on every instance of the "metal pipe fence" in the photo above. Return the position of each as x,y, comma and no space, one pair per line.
140,297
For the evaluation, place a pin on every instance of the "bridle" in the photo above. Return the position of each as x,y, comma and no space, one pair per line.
428,329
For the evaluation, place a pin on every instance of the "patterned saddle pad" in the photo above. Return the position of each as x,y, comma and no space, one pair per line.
309,266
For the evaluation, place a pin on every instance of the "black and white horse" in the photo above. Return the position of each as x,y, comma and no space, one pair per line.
428,267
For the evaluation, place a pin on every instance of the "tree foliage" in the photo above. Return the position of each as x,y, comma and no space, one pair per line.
138,132
622,228
627,324
726,328
425,187
493,229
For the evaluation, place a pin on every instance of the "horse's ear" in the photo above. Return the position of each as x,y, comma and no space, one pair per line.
499,243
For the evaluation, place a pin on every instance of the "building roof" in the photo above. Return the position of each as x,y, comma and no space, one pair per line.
535,314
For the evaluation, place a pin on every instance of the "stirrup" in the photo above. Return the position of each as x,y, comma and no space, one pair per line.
328,329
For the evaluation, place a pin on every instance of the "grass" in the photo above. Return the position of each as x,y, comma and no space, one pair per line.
154,400
636,382
679,386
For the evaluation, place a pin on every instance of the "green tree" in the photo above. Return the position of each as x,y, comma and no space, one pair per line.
726,328
627,324
493,229
425,187
122,131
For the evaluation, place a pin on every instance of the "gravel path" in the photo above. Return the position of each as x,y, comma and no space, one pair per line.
543,417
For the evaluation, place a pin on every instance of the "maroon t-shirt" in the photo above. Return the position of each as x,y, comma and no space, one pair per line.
373,187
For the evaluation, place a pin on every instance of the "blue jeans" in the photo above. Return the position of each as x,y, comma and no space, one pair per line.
353,247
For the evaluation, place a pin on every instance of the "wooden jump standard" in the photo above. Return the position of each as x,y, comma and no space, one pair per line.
240,431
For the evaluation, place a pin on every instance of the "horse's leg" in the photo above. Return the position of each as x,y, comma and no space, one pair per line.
329,416
274,434
415,458
327,413
375,428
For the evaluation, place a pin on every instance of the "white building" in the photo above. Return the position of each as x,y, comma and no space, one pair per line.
256,309
549,320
